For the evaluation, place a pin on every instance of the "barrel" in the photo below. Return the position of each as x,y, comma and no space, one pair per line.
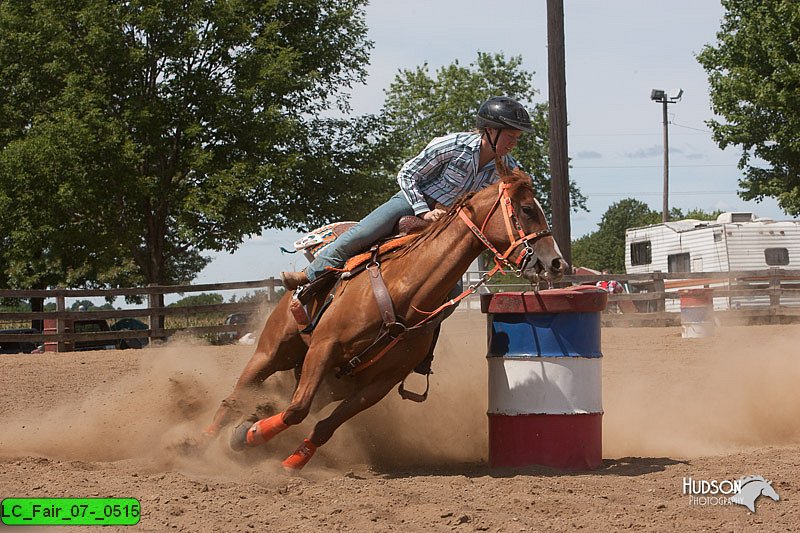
51,328
545,379
697,313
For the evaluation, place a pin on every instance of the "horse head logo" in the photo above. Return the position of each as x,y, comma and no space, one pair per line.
751,488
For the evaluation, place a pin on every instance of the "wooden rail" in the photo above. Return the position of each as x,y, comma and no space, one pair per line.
779,289
762,296
153,314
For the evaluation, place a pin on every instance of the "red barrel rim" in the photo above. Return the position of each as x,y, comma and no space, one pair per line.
575,299
696,297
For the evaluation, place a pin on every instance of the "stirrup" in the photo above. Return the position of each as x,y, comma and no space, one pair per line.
413,396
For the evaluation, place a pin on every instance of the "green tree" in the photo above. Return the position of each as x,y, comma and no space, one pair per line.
604,249
136,134
420,106
204,298
755,86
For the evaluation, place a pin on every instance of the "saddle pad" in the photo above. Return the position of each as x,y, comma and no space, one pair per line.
313,243
360,259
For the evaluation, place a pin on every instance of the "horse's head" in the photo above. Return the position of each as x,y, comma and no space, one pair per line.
516,226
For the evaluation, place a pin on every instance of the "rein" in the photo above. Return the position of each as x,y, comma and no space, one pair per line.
392,334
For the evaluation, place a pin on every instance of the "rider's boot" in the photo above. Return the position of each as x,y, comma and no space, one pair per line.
292,280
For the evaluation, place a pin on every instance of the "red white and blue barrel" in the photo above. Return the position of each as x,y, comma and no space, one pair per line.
697,313
545,379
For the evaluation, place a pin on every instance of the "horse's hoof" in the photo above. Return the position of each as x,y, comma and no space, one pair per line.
239,436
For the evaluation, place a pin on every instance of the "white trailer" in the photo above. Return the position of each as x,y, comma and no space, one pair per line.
734,242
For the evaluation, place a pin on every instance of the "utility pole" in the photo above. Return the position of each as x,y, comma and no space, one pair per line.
557,96
665,198
665,98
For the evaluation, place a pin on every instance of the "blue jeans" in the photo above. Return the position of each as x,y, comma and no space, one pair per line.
375,226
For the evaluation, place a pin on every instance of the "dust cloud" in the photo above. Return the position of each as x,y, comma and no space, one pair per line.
685,398
663,396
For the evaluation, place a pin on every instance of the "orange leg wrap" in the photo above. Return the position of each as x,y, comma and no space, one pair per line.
265,429
300,457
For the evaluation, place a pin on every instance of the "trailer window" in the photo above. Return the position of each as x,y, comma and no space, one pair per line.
678,263
641,253
776,256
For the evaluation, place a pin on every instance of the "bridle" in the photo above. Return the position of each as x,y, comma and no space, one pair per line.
516,235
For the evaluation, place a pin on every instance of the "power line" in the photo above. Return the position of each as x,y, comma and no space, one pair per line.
632,134
658,193
659,166
691,128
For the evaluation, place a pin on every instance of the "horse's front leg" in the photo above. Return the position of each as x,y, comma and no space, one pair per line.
279,348
318,361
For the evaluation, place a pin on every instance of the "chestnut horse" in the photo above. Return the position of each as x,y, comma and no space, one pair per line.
419,276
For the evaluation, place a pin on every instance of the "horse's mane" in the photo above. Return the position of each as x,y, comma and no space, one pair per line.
516,178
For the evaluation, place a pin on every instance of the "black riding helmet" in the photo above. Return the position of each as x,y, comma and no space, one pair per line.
502,113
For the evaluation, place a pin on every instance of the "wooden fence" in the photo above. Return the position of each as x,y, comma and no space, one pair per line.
153,314
770,296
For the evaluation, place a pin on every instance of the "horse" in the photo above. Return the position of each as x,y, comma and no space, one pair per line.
751,488
418,276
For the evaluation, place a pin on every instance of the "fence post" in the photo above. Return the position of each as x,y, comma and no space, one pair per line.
658,287
271,290
774,294
155,301
61,306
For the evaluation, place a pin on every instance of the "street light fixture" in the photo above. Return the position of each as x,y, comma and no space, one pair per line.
665,98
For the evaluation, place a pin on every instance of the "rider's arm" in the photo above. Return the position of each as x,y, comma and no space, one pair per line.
428,162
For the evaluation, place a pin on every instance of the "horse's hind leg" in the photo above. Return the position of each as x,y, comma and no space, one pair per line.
279,348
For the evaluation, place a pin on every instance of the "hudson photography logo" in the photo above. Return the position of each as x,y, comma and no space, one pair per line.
744,491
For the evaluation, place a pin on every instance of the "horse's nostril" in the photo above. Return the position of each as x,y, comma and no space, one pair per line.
558,264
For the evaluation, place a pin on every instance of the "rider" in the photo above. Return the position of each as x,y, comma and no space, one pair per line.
446,169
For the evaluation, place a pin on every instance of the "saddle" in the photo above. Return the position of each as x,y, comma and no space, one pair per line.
393,326
406,229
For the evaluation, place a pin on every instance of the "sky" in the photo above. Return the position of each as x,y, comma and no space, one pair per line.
616,52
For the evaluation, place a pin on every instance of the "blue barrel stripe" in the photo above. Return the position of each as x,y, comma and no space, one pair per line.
545,335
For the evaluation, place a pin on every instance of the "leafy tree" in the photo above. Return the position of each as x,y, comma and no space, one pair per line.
604,249
204,298
82,305
420,106
755,86
136,134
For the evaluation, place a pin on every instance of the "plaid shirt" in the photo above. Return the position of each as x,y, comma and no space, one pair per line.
446,169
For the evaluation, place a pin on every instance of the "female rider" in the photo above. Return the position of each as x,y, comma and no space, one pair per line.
446,169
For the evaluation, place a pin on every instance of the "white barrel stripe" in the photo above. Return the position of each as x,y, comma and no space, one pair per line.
545,385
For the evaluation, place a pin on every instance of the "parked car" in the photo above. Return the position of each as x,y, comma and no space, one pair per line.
228,337
9,347
92,325
126,324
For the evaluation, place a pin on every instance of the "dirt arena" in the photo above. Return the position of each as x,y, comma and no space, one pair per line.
115,424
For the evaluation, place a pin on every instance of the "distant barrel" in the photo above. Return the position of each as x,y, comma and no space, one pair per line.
697,313
545,379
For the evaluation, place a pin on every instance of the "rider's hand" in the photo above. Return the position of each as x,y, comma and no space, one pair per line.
433,216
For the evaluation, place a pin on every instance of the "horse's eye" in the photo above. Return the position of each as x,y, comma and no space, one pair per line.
530,211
